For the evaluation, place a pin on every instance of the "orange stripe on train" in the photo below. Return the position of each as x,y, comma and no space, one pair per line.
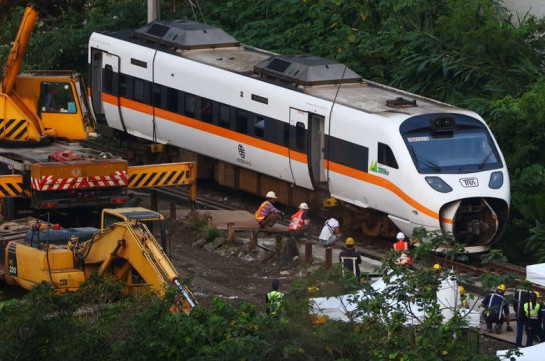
274,148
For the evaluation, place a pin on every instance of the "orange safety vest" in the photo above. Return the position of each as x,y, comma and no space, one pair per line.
259,213
296,220
404,258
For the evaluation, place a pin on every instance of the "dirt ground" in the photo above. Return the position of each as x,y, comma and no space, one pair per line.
234,273
231,271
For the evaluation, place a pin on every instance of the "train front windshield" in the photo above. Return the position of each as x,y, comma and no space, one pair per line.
452,143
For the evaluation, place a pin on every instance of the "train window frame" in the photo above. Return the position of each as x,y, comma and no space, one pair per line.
222,121
241,121
259,130
385,156
190,101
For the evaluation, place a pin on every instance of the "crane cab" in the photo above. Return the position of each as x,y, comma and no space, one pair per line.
57,101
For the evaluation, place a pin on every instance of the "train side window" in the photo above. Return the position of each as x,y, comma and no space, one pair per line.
242,121
189,105
123,85
172,100
206,110
285,140
158,92
259,126
139,90
223,120
108,79
300,136
386,156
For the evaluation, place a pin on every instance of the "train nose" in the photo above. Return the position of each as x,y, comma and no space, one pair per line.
475,222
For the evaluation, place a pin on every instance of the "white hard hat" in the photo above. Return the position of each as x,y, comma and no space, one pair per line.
303,206
270,194
400,235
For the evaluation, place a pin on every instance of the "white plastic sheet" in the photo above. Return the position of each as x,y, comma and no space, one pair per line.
532,353
536,273
341,307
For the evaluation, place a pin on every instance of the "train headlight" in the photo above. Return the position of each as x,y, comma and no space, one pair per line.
438,184
496,180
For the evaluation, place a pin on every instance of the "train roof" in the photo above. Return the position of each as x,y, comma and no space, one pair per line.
313,75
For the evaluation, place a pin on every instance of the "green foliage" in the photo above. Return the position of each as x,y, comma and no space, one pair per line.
210,233
78,326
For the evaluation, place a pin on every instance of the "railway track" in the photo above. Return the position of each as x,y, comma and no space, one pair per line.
212,197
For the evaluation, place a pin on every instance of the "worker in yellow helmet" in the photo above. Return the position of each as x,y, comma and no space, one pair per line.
350,258
496,310
520,298
532,312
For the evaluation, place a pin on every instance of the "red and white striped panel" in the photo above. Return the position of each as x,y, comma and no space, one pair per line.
50,183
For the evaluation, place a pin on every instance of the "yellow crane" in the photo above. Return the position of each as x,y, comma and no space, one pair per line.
50,108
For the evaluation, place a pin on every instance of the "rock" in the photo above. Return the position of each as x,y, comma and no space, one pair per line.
199,243
209,247
218,242
284,273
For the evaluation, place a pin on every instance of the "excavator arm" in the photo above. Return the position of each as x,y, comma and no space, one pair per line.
125,246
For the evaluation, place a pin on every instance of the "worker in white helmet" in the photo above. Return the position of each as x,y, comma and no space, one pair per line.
402,246
300,223
267,214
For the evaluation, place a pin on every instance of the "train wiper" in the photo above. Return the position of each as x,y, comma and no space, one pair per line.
430,164
485,159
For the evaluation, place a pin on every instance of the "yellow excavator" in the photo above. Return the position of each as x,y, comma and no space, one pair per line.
66,257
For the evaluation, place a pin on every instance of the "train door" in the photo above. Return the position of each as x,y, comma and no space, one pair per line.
306,143
95,77
109,91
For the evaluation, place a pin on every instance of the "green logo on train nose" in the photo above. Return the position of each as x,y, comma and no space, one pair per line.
374,167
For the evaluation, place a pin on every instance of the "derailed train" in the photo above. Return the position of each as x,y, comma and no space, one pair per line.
311,123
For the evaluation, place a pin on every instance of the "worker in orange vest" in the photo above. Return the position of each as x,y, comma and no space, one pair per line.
300,223
267,214
402,246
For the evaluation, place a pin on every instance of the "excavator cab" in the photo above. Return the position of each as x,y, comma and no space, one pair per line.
153,220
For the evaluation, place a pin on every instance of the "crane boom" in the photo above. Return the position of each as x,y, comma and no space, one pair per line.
17,52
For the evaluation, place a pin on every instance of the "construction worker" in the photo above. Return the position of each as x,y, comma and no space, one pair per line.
274,299
350,258
463,297
331,233
300,223
402,246
496,310
520,298
267,214
533,320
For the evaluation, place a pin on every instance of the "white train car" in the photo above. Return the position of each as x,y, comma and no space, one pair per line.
310,122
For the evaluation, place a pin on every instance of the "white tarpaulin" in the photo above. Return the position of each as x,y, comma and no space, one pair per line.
532,353
341,307
535,273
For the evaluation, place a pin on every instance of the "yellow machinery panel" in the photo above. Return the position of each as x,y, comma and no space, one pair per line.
157,175
55,265
11,185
